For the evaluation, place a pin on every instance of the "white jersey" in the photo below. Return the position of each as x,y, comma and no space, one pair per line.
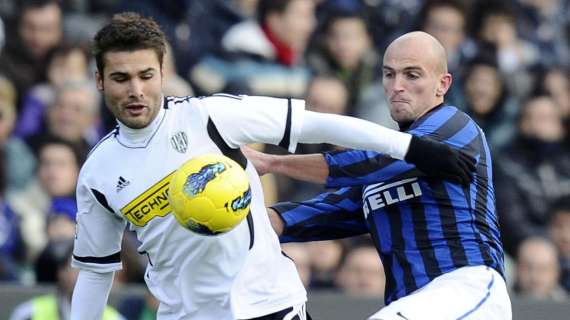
125,182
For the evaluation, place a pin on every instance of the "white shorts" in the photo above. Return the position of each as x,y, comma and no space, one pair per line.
468,293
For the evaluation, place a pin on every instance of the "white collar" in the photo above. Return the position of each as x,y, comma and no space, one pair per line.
135,138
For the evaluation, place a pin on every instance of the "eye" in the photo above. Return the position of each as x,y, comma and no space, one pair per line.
413,75
119,79
147,76
388,74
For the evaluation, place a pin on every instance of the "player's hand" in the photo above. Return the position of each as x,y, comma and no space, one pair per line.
261,161
439,160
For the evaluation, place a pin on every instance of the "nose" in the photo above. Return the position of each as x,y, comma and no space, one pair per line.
398,85
135,89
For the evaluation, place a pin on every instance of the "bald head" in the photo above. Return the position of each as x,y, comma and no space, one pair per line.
423,44
415,76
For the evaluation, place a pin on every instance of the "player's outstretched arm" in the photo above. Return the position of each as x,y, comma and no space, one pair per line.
310,167
90,295
432,157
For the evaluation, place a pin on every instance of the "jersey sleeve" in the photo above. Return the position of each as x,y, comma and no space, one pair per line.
98,232
250,119
360,167
331,215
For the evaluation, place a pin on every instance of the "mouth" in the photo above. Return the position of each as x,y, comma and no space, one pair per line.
135,109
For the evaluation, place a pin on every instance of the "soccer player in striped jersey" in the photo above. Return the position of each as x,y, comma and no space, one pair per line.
241,274
439,241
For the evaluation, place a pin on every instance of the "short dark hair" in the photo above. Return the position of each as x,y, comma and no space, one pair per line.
129,31
560,205
26,5
337,14
430,5
51,140
265,7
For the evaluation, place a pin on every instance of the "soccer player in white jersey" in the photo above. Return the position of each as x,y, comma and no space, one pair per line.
241,274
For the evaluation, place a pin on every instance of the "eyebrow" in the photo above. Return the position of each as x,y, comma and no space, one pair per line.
122,73
406,69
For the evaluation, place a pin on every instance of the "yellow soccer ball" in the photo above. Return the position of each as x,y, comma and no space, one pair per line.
210,194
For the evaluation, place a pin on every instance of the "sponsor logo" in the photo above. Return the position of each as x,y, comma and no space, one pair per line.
379,195
179,141
150,204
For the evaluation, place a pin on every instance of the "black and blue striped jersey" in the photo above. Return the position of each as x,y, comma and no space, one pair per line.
422,227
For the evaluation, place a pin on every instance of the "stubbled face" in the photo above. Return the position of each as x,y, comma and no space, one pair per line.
412,82
131,84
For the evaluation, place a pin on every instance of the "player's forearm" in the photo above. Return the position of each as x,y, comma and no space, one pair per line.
90,295
310,167
353,133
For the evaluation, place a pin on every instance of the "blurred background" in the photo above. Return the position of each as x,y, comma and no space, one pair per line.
510,63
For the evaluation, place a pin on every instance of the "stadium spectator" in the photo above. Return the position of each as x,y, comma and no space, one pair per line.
73,117
326,257
486,98
263,57
538,270
24,59
495,24
18,158
532,171
60,229
208,21
361,273
555,82
58,168
57,306
559,231
346,52
542,22
67,64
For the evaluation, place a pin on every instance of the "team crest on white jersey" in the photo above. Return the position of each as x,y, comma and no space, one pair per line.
179,141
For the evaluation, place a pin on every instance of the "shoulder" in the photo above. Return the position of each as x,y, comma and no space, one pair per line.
104,144
444,117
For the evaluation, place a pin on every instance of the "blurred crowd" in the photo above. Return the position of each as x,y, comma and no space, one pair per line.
509,61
